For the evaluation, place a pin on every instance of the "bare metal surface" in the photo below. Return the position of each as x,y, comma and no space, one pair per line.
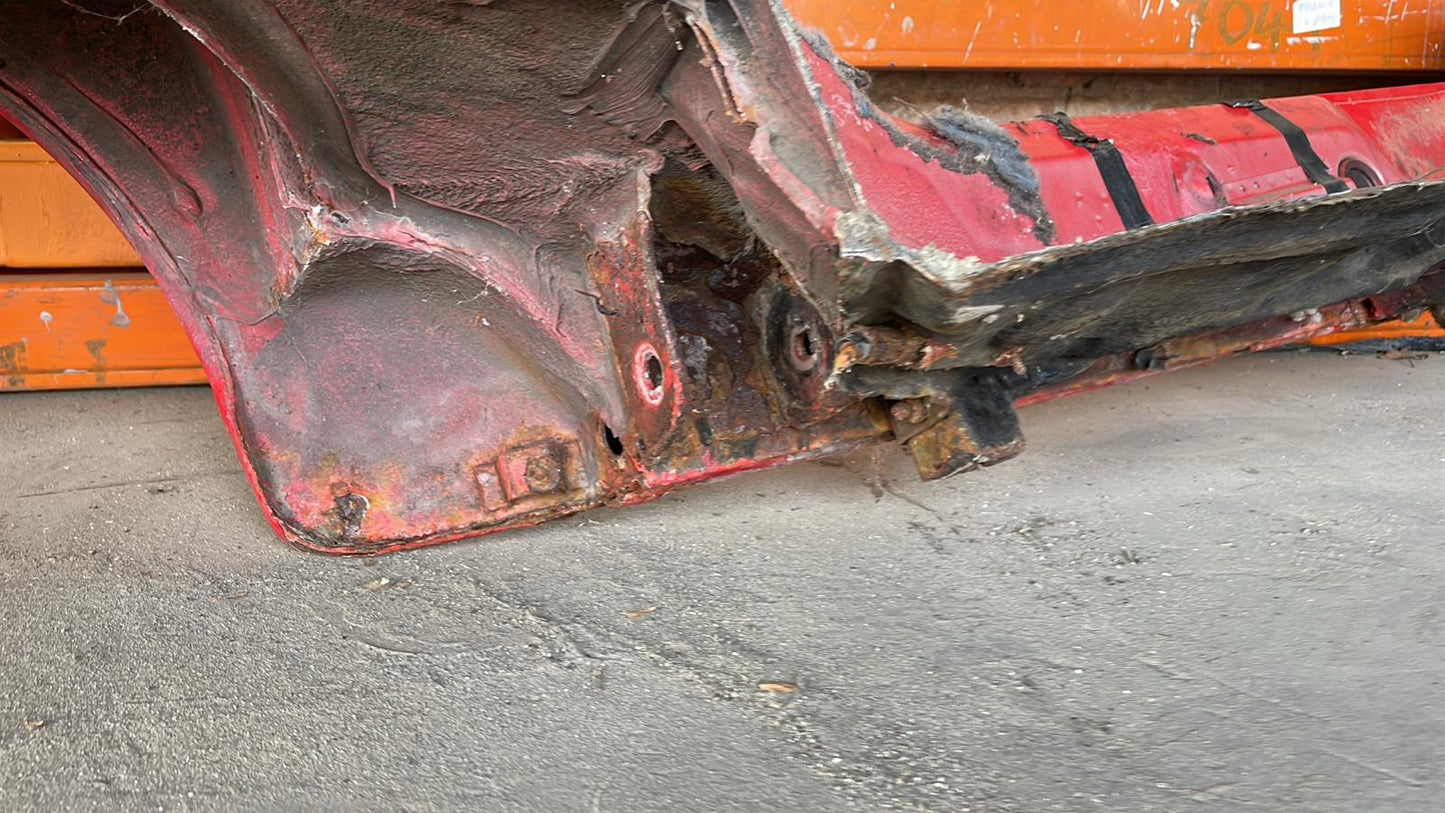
1218,590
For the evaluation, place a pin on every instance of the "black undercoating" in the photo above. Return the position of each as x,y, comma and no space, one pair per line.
1136,289
1063,311
1387,347
624,90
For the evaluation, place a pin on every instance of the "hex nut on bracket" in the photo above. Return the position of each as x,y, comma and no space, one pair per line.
534,470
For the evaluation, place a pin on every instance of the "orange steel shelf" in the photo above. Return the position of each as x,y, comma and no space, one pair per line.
1314,35
107,325
72,330
47,220
1424,327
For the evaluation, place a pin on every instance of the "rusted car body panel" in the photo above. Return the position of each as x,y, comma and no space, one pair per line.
453,267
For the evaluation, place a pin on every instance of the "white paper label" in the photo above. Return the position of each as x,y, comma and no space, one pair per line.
1316,15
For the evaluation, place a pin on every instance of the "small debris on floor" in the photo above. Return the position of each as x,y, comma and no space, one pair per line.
381,582
1408,356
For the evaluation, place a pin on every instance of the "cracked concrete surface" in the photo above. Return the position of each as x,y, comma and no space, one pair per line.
1218,590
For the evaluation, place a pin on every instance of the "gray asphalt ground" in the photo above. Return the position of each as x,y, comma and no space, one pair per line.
1219,590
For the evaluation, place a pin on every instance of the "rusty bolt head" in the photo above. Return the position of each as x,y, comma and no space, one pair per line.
912,410
544,474
920,410
902,412
537,469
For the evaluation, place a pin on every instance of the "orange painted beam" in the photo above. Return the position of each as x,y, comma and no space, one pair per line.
1312,35
47,220
78,330
1424,327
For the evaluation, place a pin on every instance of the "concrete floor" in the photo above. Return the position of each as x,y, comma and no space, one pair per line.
1219,590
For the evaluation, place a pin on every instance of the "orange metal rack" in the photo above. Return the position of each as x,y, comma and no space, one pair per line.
90,329
1254,35
76,308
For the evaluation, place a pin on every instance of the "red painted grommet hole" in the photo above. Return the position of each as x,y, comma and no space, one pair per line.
1358,173
803,350
649,374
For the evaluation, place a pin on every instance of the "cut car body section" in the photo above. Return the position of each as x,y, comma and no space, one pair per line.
453,268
